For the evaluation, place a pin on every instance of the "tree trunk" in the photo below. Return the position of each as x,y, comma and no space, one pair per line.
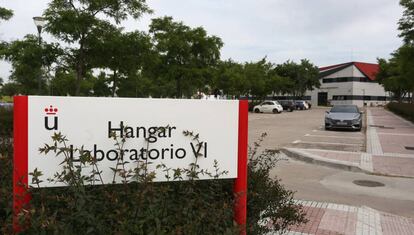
79,73
80,67
179,91
114,83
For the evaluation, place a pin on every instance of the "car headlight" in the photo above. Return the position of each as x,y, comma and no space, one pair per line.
327,119
356,121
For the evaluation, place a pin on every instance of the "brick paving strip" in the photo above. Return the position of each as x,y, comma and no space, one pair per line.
331,218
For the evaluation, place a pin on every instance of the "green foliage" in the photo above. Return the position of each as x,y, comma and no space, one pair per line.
5,14
303,76
406,23
10,89
29,60
6,120
84,23
6,164
139,206
396,73
122,53
185,56
270,206
257,79
406,110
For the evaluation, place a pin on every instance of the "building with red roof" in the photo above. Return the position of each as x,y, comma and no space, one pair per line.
349,83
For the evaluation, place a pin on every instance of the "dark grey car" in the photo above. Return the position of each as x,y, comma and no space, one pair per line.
343,117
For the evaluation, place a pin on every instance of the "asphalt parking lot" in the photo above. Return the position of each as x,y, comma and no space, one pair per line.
303,129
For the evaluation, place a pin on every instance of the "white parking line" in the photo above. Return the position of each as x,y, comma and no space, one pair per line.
333,136
401,134
351,133
329,143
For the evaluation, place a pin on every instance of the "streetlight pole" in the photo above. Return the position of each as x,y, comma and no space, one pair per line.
40,23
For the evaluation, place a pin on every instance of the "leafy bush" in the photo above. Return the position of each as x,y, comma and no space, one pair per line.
144,207
406,110
6,158
6,121
271,207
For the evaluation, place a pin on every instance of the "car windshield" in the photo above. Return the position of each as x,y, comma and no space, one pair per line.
344,109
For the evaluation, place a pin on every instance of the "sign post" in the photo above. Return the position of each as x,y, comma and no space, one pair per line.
240,184
21,198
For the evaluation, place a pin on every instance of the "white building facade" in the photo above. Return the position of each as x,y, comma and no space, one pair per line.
349,83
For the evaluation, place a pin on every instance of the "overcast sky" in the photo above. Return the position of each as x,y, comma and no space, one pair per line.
324,31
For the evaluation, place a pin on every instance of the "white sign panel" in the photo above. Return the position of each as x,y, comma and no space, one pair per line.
89,122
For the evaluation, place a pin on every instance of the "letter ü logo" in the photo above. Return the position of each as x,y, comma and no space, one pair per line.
51,112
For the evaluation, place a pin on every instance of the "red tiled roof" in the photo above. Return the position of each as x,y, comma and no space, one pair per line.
368,69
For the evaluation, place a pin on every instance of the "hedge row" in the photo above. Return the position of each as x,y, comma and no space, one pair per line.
405,110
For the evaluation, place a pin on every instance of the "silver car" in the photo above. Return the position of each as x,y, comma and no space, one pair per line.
343,117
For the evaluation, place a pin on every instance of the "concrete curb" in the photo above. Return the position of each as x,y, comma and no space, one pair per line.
314,159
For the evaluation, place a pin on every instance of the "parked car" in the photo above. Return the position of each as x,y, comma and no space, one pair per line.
288,105
344,117
309,104
302,105
268,107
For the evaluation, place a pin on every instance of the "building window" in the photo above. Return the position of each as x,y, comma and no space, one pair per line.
359,97
346,79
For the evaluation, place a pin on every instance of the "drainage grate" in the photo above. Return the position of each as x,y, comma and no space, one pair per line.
409,147
368,183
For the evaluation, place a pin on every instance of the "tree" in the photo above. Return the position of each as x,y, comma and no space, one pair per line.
76,23
122,53
396,74
28,60
256,73
305,76
406,23
185,56
230,78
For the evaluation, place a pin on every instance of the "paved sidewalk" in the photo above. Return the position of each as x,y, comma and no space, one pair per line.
389,142
329,218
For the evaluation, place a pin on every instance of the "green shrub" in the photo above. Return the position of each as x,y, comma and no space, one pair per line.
271,207
6,121
405,110
144,207
6,159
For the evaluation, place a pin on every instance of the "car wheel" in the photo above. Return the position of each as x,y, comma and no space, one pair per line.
257,110
275,111
290,109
